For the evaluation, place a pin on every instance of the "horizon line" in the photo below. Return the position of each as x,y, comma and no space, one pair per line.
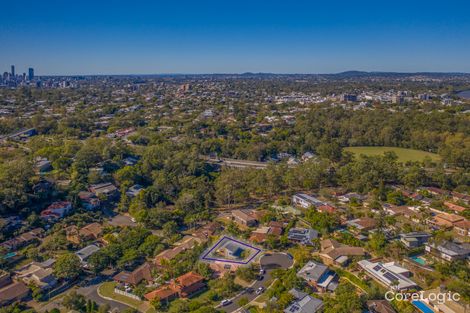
259,73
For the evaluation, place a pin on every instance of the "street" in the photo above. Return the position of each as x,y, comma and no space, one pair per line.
269,262
90,291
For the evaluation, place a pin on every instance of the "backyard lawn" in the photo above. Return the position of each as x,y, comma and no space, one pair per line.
403,154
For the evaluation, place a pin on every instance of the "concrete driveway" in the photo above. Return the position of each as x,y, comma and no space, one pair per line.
122,220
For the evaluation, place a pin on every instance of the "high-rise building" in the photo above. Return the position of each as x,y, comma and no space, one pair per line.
13,70
424,96
30,73
398,99
348,97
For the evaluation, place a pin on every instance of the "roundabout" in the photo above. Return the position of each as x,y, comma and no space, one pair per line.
276,260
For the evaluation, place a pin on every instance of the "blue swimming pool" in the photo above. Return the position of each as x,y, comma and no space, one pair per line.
418,259
9,255
422,306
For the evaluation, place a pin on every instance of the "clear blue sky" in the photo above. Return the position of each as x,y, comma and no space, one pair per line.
234,36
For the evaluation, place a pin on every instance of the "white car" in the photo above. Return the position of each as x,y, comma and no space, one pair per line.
259,290
225,302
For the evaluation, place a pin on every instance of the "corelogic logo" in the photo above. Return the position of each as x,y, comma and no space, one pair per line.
439,297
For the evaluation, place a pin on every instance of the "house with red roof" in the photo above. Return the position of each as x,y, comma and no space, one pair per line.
143,272
261,234
56,210
462,228
460,197
455,207
164,294
445,220
188,284
184,286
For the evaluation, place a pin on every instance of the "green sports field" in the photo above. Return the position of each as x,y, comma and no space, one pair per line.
403,154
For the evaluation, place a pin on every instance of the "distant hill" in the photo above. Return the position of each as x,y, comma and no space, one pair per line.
341,75
393,74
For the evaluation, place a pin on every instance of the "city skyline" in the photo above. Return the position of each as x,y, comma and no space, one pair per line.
275,37
30,73
13,70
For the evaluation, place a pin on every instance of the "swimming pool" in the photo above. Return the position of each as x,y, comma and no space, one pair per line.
422,306
9,255
418,260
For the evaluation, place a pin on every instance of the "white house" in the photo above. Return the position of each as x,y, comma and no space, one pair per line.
305,201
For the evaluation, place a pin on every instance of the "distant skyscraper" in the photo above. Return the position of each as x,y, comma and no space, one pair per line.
349,97
30,73
13,70
398,99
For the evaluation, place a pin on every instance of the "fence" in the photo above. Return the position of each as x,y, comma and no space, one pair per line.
127,294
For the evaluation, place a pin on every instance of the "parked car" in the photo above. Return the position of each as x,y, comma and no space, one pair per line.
225,302
260,290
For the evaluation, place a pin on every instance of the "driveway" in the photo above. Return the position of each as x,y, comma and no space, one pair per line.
122,220
269,262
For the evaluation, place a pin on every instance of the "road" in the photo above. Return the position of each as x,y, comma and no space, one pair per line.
269,262
236,163
90,291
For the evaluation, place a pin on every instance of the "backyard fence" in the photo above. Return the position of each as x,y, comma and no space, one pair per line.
127,294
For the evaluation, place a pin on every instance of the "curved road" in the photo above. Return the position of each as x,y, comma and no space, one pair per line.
269,262
90,291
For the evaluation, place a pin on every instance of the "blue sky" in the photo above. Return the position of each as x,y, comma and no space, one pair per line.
132,37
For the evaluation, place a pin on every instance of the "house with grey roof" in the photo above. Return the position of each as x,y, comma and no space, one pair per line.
42,165
134,190
318,276
449,250
38,273
350,196
85,253
389,274
414,239
107,190
303,303
297,294
305,201
302,235
16,291
232,249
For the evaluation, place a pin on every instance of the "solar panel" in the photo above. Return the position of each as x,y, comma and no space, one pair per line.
390,276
